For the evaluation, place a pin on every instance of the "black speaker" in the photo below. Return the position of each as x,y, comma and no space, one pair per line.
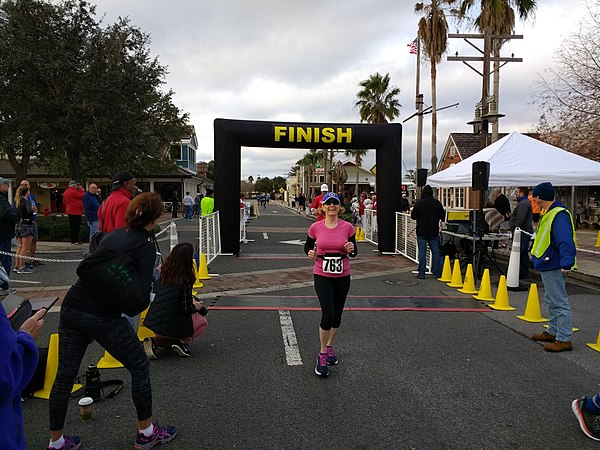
481,175
421,177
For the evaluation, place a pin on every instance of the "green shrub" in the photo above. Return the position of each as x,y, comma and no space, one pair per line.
56,229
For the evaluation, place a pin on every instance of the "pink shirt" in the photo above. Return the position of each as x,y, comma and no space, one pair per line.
330,241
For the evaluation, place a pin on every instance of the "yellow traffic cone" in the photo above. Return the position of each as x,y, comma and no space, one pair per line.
532,309
485,288
360,234
108,361
502,303
144,331
598,240
456,281
446,271
574,329
203,270
595,346
469,284
197,284
51,370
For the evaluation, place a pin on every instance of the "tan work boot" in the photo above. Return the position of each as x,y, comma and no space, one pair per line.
558,346
543,337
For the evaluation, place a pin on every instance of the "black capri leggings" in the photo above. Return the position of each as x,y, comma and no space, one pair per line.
332,293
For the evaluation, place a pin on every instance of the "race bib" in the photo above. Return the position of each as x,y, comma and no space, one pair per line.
333,265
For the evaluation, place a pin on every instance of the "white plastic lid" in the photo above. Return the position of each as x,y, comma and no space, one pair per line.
85,401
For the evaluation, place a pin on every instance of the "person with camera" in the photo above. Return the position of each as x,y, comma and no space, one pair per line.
330,242
86,315
175,315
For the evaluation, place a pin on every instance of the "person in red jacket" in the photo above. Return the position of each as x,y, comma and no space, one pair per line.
316,207
111,214
72,199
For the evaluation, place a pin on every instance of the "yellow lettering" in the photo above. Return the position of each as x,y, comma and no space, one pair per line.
279,132
328,135
344,134
305,135
291,134
317,131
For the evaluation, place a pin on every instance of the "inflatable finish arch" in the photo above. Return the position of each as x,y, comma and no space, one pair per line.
231,135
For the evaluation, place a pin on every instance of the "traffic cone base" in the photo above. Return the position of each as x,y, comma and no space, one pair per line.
598,240
574,329
502,303
595,346
485,289
532,309
51,370
197,284
108,361
456,281
469,284
446,271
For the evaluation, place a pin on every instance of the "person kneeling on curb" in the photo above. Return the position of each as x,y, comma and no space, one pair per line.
175,315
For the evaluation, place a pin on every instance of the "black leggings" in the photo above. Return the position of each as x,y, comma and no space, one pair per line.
76,330
332,293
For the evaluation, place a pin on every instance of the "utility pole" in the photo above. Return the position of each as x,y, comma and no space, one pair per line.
419,107
486,116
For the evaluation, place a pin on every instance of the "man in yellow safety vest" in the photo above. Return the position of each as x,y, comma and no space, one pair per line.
553,255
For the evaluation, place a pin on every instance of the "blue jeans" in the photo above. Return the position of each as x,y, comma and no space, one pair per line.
6,260
188,212
93,226
560,322
434,245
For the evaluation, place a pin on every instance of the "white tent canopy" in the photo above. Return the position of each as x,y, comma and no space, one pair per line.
519,160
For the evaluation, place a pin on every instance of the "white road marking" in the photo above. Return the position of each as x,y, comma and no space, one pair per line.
292,352
294,242
25,282
265,236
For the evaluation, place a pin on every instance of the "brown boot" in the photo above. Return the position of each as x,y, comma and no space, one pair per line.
543,337
558,346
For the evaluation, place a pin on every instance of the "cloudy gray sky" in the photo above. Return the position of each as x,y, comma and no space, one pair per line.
302,61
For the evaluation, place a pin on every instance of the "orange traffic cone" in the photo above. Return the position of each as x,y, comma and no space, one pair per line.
485,288
469,285
143,331
108,361
502,303
456,281
446,271
532,309
51,370
595,346
203,270
197,284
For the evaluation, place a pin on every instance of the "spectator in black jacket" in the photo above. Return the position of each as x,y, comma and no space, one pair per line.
522,217
175,315
429,214
8,219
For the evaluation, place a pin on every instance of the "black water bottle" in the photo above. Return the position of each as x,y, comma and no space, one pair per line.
93,385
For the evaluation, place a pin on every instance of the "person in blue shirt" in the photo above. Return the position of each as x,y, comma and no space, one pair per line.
34,206
91,202
18,360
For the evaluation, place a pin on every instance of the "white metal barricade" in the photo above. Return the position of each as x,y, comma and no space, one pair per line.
370,226
209,236
244,216
406,238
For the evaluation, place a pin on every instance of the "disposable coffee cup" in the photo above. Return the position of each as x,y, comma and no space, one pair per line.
85,408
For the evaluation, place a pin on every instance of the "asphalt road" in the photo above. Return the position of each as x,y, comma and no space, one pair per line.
406,379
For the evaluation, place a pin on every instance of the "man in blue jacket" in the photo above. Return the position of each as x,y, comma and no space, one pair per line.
553,255
18,359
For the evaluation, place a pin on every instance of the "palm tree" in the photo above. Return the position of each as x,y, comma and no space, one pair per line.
310,161
433,33
339,175
499,18
376,101
357,154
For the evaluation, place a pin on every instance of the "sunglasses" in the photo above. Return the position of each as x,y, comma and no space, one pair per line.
331,202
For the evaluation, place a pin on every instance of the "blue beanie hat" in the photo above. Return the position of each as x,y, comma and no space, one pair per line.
545,191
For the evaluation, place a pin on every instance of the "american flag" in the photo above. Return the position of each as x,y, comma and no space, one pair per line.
413,47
